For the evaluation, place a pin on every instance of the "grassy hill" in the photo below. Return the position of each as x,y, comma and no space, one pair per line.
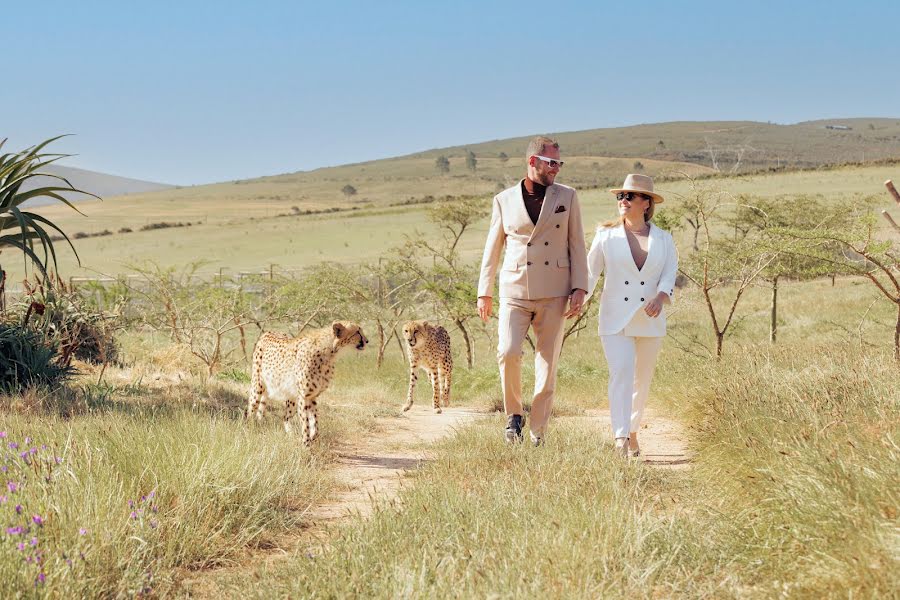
101,184
229,234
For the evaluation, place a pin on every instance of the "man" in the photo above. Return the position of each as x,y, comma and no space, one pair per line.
545,266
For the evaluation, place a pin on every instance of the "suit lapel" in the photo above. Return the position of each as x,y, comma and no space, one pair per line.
551,198
520,216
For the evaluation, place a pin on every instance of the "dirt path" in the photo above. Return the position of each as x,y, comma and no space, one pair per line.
662,439
367,472
372,471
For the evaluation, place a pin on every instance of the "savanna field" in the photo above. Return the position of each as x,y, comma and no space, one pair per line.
136,475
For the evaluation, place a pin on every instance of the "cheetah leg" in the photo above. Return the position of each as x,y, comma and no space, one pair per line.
311,410
255,401
413,377
304,423
290,410
446,376
435,390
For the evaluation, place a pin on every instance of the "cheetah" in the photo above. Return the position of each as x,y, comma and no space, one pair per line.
296,370
429,348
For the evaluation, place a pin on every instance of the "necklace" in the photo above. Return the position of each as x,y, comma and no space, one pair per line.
643,230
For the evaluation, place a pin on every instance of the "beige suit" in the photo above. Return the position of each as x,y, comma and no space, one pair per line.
543,263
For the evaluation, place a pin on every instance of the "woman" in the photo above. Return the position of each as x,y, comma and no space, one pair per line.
640,263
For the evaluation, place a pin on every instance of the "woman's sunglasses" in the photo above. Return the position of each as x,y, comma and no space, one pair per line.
632,195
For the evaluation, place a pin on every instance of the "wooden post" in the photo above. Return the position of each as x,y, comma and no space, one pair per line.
773,328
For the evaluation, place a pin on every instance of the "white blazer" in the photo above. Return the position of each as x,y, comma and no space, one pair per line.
626,289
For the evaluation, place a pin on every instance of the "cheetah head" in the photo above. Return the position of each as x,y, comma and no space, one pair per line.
414,332
348,333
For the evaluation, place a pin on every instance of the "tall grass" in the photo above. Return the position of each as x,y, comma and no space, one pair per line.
111,504
792,494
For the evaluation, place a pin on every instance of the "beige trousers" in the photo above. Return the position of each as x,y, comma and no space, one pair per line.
546,316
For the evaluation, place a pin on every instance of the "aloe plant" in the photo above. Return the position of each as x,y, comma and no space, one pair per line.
32,235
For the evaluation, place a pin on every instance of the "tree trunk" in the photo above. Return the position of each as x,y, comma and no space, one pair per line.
470,359
719,338
897,336
773,328
381,344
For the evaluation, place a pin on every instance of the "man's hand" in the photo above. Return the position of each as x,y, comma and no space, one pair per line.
576,303
485,307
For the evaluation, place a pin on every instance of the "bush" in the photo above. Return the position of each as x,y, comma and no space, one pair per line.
28,359
65,317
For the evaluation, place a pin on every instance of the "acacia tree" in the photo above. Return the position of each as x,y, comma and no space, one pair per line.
865,251
440,271
442,164
720,264
382,292
765,219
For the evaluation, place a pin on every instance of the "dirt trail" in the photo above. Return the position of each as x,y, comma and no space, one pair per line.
662,439
367,471
371,471
374,469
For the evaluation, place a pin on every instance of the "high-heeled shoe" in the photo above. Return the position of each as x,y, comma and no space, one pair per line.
622,446
634,453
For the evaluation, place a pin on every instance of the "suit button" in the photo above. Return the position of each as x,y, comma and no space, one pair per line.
642,299
557,226
626,299
546,243
529,262
529,243
642,283
546,262
626,283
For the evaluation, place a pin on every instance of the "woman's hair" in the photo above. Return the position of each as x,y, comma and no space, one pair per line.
648,215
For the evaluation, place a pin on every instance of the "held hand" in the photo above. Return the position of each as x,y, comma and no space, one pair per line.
654,307
485,306
576,303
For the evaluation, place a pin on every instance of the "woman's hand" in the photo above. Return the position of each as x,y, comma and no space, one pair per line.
654,306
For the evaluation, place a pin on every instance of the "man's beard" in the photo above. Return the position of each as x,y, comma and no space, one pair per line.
545,179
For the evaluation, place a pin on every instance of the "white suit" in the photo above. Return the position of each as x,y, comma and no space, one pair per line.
631,339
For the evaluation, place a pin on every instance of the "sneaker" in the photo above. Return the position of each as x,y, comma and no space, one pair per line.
514,428
536,440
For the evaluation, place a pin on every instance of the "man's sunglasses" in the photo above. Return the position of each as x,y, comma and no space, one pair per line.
550,161
632,195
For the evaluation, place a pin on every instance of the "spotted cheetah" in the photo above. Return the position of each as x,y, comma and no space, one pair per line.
296,370
429,348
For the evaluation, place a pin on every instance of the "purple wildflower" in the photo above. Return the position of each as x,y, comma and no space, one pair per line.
12,486
27,440
32,450
13,445
134,515
153,524
34,541
4,468
37,520
21,546
43,446
131,504
2,434
15,530
58,459
41,578
2,499
152,495
82,531
19,509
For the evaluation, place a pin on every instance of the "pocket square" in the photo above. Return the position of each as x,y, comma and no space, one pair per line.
559,209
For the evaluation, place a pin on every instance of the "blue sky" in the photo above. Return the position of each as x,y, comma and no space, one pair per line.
194,92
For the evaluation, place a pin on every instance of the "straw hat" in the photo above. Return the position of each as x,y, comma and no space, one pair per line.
641,184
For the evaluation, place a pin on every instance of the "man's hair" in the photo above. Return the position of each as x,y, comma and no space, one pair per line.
537,145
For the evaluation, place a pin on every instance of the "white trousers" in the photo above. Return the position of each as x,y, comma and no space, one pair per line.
631,363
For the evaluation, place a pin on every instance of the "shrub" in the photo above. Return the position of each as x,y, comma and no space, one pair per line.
27,359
